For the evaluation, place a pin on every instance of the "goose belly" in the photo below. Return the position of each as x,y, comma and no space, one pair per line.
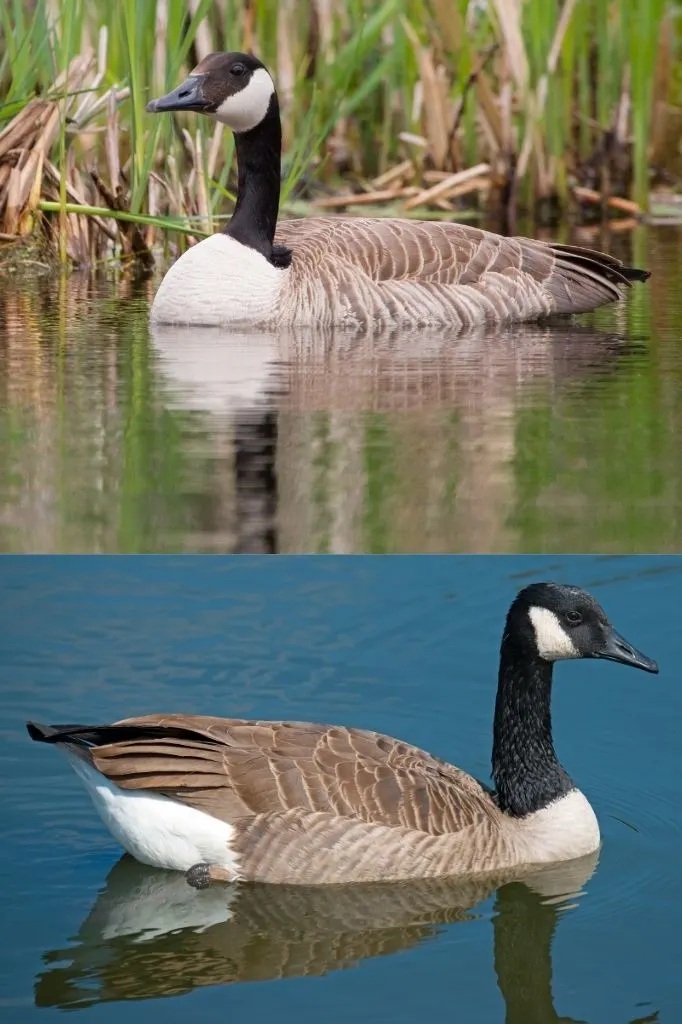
156,830
563,830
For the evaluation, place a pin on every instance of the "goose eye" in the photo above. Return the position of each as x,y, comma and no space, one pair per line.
237,70
574,618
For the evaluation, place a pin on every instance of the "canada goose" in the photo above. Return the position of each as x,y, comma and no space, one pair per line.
290,802
349,272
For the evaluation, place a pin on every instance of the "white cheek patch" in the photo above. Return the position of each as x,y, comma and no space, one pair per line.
552,640
247,108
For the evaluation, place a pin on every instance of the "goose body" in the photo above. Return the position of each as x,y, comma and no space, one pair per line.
300,803
357,271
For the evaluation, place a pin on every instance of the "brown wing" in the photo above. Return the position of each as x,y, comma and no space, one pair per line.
235,769
443,253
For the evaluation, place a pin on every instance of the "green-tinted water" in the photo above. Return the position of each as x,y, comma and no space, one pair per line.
545,439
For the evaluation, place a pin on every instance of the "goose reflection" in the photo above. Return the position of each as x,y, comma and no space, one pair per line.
233,378
227,372
299,427
149,935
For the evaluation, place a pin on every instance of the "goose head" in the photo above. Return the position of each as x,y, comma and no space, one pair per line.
554,622
234,88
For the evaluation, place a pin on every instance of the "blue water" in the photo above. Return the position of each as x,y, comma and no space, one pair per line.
407,646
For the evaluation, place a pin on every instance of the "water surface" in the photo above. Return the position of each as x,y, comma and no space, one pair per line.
531,439
405,646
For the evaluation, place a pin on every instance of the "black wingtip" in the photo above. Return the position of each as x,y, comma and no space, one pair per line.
635,274
53,733
38,732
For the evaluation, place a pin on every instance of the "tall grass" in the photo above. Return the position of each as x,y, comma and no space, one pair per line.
393,99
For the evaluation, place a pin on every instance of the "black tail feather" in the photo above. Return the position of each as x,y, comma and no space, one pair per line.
96,735
634,274
54,733
610,266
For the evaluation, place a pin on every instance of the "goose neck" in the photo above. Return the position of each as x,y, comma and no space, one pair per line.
525,767
254,220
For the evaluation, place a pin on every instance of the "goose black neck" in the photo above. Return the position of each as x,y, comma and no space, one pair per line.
254,219
526,771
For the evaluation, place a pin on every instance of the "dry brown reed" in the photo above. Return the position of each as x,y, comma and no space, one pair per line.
448,108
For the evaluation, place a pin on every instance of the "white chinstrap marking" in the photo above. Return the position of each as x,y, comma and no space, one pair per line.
552,641
565,829
157,830
219,282
247,108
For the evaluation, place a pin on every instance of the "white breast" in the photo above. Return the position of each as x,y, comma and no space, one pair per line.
156,830
219,282
562,830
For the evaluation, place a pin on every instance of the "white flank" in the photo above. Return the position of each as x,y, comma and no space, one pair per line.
156,830
247,108
219,282
552,640
562,830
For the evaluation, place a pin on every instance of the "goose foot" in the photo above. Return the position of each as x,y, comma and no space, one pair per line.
200,876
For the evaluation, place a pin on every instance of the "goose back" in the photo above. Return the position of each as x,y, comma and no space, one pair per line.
434,273
235,768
